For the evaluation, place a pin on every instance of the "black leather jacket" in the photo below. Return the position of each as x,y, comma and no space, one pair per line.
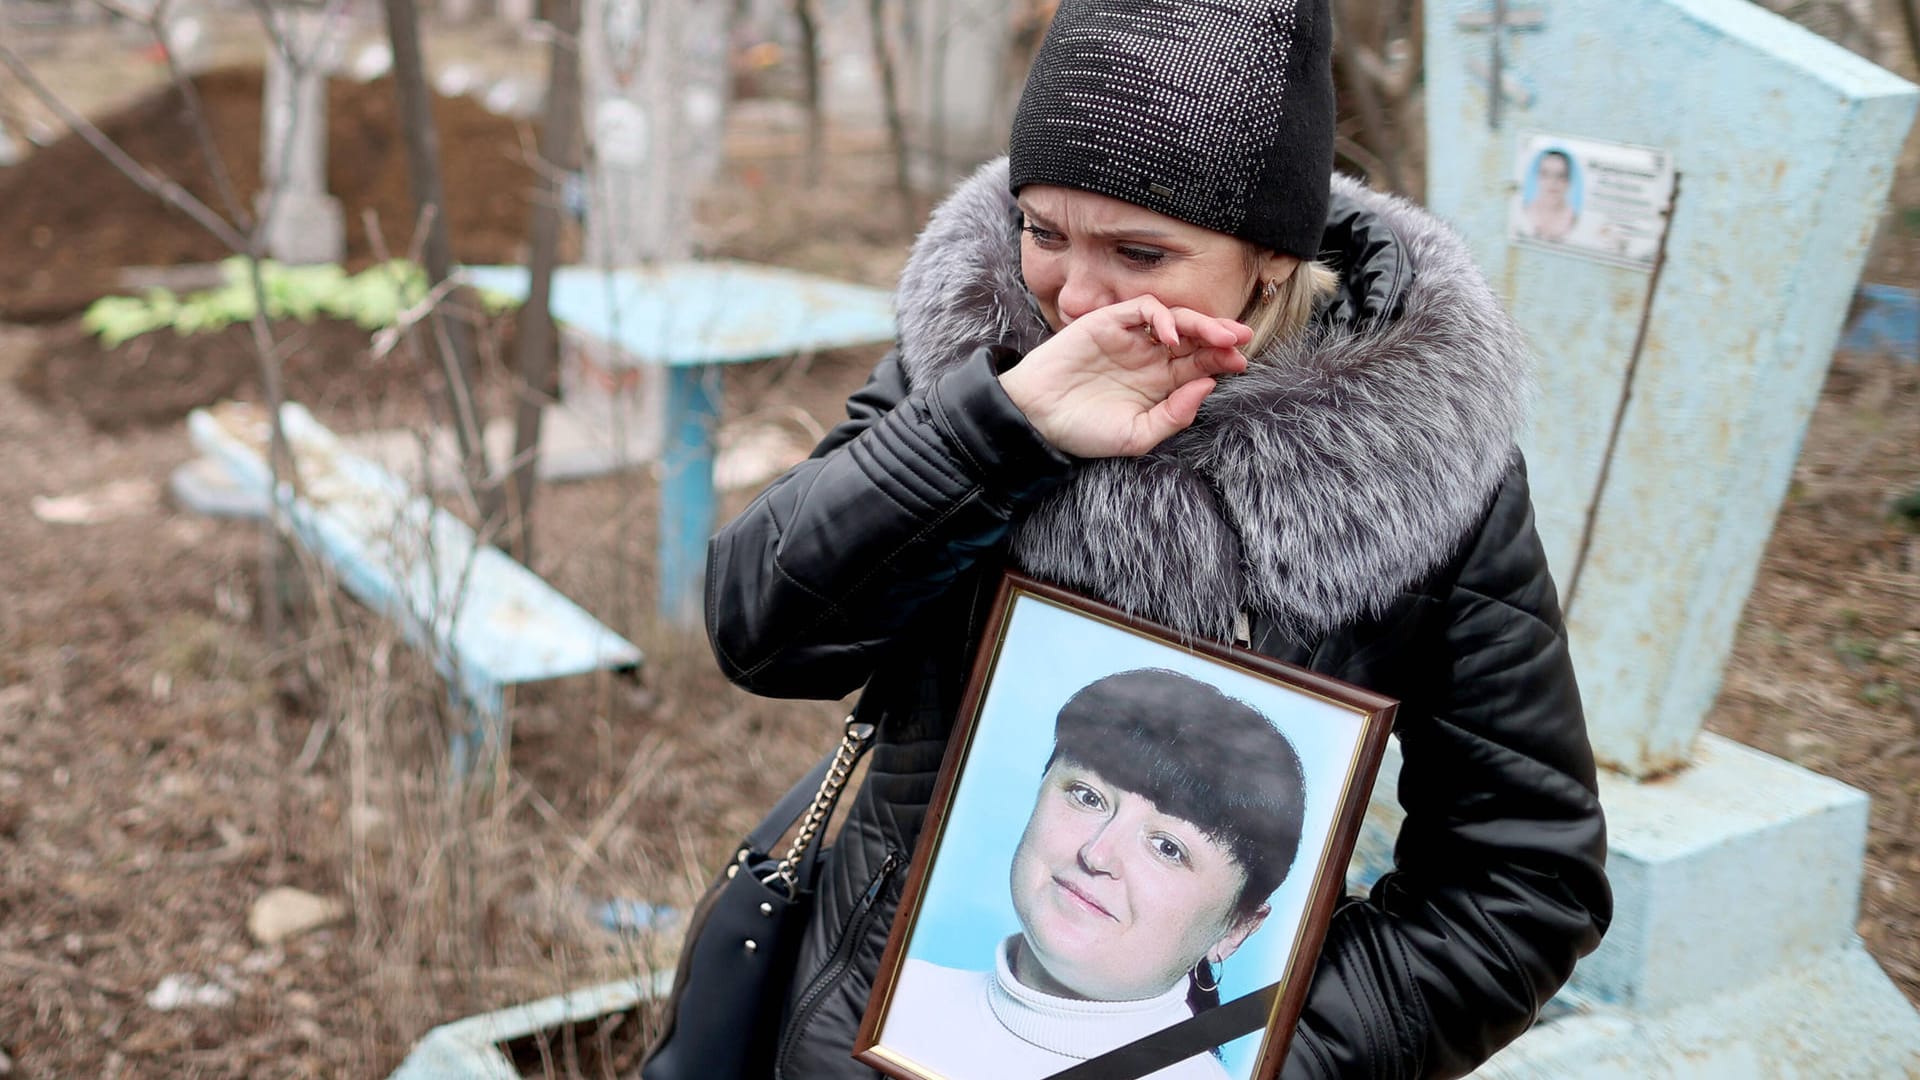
873,563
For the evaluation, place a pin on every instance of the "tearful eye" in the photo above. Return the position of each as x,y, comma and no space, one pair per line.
1046,239
1142,258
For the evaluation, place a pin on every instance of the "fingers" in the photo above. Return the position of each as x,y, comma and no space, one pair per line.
1166,328
1208,362
1176,413
1208,330
1181,329
1154,317
1178,329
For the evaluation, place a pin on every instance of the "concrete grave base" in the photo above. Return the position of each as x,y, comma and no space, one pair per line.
1732,951
616,396
1837,1017
469,1049
1739,866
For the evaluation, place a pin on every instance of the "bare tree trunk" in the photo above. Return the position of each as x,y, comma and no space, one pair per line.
803,13
558,136
890,99
1911,9
1376,67
453,335
1366,100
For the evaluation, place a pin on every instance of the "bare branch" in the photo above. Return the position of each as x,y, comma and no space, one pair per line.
1910,12
808,23
111,7
890,100
155,22
387,337
376,236
276,37
154,183
1359,155
422,228
202,131
545,173
559,136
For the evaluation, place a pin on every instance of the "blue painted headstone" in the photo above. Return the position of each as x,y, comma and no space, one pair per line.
1673,400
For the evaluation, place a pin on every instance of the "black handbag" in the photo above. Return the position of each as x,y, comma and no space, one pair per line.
724,1014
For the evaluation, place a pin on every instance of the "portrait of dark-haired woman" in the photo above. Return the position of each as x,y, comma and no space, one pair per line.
1167,815
1551,199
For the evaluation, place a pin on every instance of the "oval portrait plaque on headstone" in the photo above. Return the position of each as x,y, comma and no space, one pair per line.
1599,200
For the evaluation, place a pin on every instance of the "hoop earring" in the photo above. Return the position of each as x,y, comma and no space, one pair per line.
1202,965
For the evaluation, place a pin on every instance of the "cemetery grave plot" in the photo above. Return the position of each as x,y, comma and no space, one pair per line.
70,222
149,742
149,739
156,378
1825,670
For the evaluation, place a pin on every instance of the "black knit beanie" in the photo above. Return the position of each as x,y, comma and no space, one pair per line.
1215,112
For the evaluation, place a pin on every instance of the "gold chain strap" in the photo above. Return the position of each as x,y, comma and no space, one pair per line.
837,774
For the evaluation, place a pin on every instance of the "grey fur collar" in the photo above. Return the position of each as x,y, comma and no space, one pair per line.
1341,468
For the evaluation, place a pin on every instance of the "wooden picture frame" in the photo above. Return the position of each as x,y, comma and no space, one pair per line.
1038,932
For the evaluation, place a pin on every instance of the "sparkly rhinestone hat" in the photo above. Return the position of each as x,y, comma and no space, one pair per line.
1215,112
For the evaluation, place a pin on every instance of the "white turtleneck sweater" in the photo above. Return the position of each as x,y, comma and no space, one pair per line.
985,1023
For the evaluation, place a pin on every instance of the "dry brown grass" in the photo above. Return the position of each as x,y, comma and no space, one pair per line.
476,895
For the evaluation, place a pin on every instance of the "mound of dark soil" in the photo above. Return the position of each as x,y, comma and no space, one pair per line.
69,220
156,378
326,365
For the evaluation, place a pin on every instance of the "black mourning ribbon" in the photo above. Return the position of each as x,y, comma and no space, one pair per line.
1170,1045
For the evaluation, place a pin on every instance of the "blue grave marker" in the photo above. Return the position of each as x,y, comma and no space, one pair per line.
1674,198
1670,413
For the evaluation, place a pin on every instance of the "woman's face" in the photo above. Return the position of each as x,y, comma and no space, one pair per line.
1552,181
1080,252
1116,899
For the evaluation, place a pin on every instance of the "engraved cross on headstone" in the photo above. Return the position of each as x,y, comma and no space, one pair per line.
1502,18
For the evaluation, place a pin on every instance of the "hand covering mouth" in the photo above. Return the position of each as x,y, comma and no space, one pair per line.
1082,896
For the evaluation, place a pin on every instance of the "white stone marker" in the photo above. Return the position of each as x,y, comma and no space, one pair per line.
653,80
303,224
654,96
1662,444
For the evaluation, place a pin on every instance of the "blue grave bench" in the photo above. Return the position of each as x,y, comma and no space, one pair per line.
487,621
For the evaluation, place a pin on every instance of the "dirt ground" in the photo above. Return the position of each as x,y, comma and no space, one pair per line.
164,761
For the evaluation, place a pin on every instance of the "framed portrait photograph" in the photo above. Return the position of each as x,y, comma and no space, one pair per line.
1131,855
